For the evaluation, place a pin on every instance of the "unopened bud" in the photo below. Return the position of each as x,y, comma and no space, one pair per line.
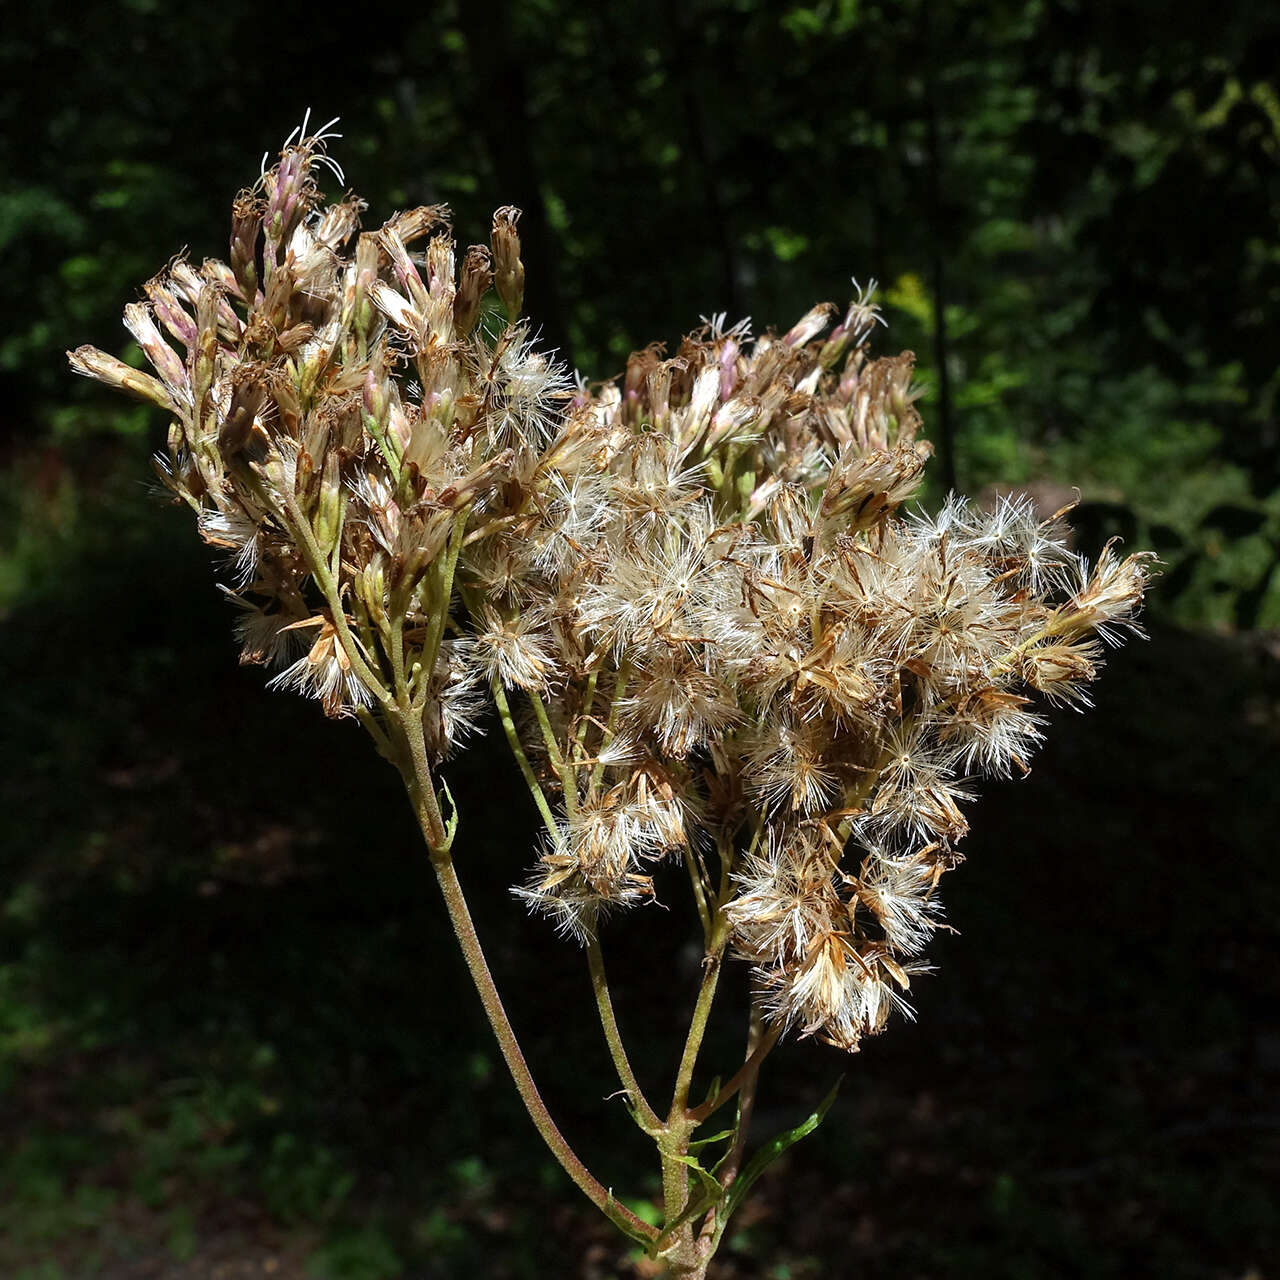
236,428
371,588
406,273
473,283
508,270
399,428
900,393
834,347
290,191
169,311
89,362
728,367
164,360
376,400
413,224
364,275
702,400
303,478
246,222
441,290
328,519
288,411
809,325
732,419
205,361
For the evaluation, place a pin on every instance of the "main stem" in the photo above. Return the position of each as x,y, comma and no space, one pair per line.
428,816
687,1256
686,1249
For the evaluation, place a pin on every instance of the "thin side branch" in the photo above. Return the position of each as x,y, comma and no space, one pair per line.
744,1073
644,1114
592,1188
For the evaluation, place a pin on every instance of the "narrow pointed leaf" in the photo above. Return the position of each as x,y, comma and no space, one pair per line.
773,1149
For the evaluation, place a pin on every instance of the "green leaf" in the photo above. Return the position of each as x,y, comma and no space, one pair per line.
711,1188
451,823
773,1149
715,1137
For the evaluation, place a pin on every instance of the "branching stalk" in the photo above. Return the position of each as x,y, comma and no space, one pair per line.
644,1114
761,1050
482,978
328,588
522,758
750,1074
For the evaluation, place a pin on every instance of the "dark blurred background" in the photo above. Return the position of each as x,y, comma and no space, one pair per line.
234,1037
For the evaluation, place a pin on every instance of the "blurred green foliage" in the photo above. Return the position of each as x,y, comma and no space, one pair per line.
1077,202
1091,192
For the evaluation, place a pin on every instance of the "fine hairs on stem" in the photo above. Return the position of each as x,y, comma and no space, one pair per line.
709,633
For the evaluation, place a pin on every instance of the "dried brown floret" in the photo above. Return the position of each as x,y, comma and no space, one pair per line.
696,582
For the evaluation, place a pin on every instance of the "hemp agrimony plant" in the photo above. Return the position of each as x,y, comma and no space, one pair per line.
710,637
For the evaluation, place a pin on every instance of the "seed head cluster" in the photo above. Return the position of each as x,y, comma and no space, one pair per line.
710,633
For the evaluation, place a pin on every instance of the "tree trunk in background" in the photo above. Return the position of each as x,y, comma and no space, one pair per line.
500,99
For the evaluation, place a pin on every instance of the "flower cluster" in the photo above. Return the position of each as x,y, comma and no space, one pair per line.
341,407
727,646
733,643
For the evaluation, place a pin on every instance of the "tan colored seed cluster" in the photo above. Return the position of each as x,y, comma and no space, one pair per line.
725,645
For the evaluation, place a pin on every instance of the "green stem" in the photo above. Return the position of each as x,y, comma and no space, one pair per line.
335,564
587,702
675,1146
324,580
736,1081
699,893
449,567
477,965
548,734
750,1073
698,1024
522,759
567,781
615,708
582,1178
396,644
421,785
644,1114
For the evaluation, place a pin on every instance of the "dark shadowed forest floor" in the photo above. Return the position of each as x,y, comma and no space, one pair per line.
235,1040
